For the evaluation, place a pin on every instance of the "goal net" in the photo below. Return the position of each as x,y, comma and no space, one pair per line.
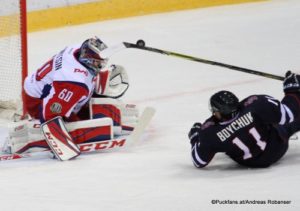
13,54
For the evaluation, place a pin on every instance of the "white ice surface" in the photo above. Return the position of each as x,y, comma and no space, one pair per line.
158,173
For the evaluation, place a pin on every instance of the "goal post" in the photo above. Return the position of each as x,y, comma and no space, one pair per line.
23,32
13,54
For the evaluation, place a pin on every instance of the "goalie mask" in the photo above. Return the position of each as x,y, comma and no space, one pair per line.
90,55
225,103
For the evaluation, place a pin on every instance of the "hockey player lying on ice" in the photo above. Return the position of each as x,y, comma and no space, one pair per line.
254,132
61,91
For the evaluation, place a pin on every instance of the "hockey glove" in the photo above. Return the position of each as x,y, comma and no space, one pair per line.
194,133
291,82
112,83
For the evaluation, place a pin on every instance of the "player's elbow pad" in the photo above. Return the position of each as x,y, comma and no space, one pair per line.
200,166
198,159
198,162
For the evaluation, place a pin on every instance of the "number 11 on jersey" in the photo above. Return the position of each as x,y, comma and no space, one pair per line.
239,143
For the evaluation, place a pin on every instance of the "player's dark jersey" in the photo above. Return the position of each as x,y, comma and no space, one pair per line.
248,136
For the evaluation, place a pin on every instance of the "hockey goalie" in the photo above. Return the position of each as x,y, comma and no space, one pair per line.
73,102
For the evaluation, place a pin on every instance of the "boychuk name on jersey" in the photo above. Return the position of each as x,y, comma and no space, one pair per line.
237,124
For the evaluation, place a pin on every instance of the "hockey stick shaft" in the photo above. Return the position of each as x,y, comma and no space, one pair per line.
205,61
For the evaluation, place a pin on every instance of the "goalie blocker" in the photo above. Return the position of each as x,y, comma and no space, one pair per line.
59,139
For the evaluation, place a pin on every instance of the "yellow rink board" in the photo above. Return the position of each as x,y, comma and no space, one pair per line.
109,9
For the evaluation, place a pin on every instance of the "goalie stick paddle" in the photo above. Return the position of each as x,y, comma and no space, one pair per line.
141,45
100,146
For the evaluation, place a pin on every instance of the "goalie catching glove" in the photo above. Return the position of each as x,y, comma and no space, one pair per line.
112,83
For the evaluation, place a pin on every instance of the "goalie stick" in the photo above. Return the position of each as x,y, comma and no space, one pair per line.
141,45
115,144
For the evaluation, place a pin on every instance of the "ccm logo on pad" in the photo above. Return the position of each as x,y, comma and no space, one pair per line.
54,144
102,145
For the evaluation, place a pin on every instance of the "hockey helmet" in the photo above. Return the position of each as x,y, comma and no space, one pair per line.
90,55
226,103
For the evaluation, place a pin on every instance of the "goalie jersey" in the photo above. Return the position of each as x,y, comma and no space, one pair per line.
256,137
62,86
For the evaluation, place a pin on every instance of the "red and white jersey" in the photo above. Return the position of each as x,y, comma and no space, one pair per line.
63,84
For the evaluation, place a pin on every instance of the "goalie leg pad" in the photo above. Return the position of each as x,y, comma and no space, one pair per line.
93,130
26,137
107,110
59,139
29,138
124,116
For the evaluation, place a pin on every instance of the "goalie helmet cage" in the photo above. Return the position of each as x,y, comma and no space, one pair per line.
13,52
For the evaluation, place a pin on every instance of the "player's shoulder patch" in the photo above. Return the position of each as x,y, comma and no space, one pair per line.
56,108
250,100
207,124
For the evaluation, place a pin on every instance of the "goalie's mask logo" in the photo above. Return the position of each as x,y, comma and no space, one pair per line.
90,55
224,105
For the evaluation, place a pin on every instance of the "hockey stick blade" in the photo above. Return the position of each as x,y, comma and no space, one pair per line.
205,61
101,146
